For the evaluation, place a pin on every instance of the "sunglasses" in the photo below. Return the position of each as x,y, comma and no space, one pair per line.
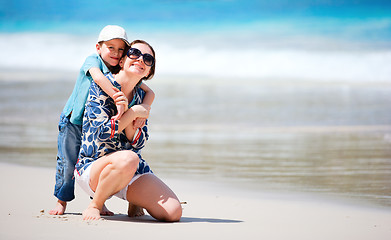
134,53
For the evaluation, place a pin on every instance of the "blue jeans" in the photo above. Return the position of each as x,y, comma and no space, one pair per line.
69,140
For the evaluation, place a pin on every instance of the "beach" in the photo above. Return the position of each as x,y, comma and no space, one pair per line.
271,119
213,211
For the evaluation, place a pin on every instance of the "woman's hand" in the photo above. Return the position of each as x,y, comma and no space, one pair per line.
141,110
139,123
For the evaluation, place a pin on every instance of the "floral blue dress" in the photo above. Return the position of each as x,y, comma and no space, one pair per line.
100,134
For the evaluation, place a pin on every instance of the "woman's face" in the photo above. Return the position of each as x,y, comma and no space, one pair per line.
137,66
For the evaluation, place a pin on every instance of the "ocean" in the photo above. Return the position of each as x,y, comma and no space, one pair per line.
272,96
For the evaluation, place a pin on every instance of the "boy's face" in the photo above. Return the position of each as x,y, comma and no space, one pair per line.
111,51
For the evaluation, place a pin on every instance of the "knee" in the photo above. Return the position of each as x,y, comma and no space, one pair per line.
173,212
127,162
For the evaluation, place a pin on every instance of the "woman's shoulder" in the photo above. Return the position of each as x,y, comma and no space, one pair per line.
138,90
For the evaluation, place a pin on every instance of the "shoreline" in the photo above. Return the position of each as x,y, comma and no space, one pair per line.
212,210
321,139
13,75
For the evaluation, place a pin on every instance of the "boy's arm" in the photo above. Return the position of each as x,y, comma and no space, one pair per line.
120,100
149,94
102,81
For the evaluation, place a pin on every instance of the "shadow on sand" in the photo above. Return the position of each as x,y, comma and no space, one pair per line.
149,219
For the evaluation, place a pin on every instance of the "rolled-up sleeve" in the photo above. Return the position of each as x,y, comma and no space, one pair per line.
140,138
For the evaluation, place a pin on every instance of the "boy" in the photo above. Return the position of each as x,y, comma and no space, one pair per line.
112,43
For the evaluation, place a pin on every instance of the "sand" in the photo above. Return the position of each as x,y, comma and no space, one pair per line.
213,211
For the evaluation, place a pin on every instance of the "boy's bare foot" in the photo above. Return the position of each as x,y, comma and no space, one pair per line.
106,212
59,209
91,213
135,211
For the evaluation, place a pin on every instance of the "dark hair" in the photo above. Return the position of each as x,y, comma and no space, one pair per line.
152,71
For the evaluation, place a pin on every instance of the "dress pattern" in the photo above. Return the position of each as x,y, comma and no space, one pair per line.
100,134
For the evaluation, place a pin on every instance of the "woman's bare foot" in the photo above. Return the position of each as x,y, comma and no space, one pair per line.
59,209
106,212
135,211
91,213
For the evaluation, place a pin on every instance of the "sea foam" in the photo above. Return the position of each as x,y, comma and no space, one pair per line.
65,52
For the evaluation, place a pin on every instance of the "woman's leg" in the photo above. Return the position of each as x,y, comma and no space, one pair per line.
135,211
109,174
156,197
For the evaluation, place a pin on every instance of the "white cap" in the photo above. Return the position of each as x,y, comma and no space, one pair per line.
112,32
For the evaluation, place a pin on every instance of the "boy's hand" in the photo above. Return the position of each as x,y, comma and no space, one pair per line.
121,101
120,110
139,123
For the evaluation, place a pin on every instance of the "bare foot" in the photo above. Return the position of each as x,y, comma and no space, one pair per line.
106,212
135,211
91,213
59,209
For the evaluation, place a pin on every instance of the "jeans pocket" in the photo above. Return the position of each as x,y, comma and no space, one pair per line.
63,121
61,126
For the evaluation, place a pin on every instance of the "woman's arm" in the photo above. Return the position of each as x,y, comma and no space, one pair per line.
148,100
98,115
137,111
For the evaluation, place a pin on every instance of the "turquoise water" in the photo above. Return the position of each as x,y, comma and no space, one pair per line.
312,40
351,20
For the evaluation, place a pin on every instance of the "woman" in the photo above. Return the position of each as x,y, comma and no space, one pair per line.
109,161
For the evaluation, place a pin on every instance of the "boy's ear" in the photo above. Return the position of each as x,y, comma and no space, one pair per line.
97,47
122,62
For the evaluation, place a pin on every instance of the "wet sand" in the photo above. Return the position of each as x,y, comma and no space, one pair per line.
327,138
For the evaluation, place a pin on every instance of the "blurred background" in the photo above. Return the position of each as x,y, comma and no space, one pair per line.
265,95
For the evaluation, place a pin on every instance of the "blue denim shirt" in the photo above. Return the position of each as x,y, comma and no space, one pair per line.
78,98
